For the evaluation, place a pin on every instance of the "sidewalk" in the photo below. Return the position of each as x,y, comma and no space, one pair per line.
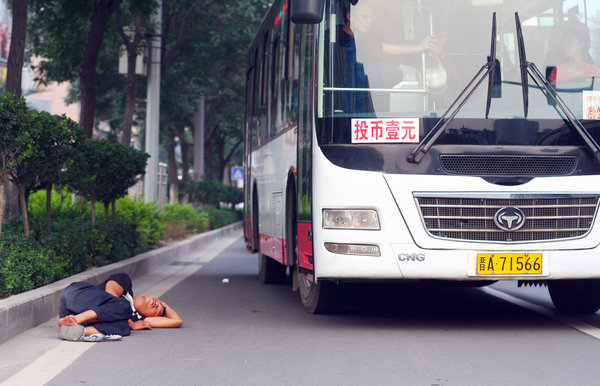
21,312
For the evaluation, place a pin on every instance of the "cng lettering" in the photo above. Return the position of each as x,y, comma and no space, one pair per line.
411,257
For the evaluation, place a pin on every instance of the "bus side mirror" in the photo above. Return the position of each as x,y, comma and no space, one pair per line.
307,11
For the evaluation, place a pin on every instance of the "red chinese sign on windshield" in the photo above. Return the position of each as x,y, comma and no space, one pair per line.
591,105
385,130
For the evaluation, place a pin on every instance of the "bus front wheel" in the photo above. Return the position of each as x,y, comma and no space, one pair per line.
575,296
323,297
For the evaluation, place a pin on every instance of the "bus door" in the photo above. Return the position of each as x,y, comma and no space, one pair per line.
304,162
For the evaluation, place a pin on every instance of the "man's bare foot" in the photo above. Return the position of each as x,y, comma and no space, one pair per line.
69,320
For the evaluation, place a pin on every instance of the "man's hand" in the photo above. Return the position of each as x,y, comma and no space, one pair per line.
69,320
139,325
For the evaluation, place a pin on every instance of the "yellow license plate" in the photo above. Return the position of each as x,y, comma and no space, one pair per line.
509,263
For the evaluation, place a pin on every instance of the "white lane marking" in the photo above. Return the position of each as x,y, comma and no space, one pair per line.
61,356
47,366
571,322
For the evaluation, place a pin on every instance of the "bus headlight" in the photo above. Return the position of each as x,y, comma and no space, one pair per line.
353,249
350,219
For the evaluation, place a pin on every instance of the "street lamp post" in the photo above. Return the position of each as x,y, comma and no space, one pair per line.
153,110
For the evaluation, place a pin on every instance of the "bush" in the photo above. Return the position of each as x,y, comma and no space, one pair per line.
145,216
221,217
103,171
194,220
24,265
175,230
70,240
75,244
210,192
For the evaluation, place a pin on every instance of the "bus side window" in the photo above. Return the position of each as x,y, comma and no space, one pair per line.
261,112
256,71
275,122
293,75
265,66
250,110
250,92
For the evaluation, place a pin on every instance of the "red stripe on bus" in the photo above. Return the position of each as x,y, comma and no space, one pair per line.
272,247
305,247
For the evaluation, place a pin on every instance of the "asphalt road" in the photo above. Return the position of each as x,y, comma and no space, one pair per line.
238,331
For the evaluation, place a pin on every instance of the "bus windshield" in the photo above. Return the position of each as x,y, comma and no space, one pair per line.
413,59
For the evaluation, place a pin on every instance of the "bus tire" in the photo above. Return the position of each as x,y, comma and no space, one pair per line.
270,271
323,297
575,296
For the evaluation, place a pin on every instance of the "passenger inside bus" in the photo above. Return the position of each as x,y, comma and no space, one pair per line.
573,59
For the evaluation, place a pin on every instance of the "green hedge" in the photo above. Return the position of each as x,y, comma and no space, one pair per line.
24,264
209,192
194,220
221,217
74,244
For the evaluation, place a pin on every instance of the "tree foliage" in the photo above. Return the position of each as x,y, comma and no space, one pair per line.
13,120
206,55
103,171
69,36
204,47
48,144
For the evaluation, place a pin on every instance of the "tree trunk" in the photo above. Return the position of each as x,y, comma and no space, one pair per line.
219,150
94,211
208,160
129,99
12,200
23,203
132,81
87,67
185,154
48,206
106,210
17,47
173,188
10,194
114,211
2,201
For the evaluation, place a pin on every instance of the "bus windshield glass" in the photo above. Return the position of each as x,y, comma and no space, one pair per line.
413,59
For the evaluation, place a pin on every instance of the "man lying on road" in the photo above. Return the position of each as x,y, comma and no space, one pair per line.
110,311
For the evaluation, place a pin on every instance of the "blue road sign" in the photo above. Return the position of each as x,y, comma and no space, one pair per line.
237,174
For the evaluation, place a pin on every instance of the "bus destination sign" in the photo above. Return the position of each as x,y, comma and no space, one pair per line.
391,130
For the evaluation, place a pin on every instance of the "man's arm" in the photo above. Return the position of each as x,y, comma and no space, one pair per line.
170,320
88,316
113,288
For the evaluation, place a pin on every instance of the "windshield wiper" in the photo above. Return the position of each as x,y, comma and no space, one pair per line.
488,69
529,68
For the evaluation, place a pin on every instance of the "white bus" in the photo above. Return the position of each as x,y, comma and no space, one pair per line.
425,140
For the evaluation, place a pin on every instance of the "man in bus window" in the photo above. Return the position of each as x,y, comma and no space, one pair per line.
377,49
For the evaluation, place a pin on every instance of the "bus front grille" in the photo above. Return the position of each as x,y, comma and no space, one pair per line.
467,217
508,165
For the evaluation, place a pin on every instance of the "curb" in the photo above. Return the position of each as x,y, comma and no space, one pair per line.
19,313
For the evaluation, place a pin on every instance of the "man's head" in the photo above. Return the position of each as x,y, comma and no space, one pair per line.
149,306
